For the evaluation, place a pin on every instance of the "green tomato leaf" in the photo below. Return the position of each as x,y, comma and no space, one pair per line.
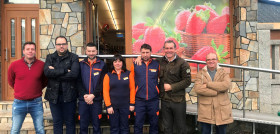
228,28
149,21
220,49
209,4
183,44
178,37
203,15
214,45
222,60
141,36
133,40
224,54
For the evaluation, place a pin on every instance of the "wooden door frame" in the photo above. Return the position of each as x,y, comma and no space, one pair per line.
89,22
5,34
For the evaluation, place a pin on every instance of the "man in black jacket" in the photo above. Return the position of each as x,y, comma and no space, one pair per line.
62,69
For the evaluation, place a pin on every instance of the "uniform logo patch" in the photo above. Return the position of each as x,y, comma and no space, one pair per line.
125,78
153,70
96,73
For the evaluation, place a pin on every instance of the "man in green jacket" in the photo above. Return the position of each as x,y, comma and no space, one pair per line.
175,77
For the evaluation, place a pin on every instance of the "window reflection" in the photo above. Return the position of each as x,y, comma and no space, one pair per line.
13,41
33,32
21,1
22,32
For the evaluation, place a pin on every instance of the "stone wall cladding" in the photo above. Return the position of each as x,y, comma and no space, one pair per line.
245,53
61,18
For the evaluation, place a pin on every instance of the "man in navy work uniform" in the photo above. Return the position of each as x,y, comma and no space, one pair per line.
174,76
90,89
147,92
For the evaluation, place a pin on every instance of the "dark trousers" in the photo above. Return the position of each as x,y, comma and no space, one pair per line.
90,113
119,121
206,128
149,108
173,114
63,112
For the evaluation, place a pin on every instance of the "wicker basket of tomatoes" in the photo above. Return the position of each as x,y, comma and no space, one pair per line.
198,41
198,27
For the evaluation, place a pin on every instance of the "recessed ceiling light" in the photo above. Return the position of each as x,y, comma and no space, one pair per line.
110,9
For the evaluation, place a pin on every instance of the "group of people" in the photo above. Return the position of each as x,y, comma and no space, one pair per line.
123,91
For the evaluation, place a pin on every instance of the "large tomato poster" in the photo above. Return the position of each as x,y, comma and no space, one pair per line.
196,26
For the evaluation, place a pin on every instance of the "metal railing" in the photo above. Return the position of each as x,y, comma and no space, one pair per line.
242,68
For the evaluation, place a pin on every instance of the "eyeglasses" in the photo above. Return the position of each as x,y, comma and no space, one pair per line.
210,60
61,44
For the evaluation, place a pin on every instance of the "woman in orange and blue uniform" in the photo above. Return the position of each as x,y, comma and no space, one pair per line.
119,95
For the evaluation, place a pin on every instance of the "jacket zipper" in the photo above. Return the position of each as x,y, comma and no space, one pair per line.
89,87
147,65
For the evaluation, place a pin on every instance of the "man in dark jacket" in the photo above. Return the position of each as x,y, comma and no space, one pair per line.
90,86
175,77
62,69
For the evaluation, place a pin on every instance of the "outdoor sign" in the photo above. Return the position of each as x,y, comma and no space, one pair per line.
196,26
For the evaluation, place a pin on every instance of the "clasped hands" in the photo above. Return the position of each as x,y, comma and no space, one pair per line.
89,98
110,110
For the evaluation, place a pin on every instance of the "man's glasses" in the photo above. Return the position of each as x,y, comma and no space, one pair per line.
211,59
61,44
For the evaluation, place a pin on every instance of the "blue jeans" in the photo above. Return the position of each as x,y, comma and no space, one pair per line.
206,128
21,108
63,112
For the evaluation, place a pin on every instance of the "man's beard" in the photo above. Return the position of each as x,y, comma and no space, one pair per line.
92,58
145,59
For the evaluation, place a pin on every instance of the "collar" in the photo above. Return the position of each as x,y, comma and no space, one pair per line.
115,72
175,57
88,62
27,62
150,60
205,68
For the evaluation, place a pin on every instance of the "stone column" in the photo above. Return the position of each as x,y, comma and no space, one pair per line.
61,17
246,51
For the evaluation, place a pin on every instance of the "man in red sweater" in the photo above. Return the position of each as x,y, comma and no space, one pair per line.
27,77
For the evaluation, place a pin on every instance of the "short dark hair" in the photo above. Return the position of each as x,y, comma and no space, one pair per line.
115,58
91,44
60,37
28,43
146,46
169,41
